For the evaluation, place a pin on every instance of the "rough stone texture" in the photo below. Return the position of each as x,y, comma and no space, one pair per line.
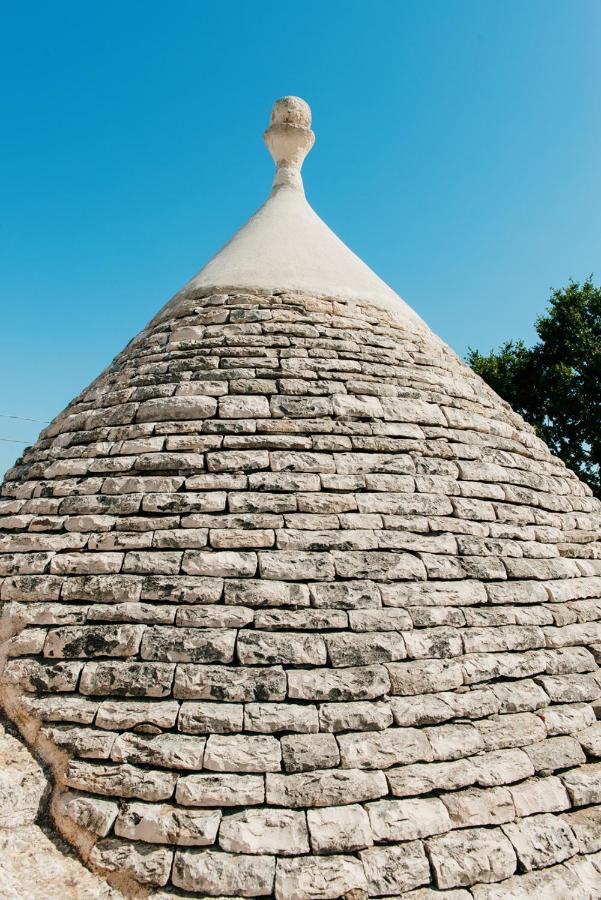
289,593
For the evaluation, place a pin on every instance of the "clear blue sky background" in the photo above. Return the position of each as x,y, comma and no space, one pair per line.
457,152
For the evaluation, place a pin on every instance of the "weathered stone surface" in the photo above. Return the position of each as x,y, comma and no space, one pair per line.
236,875
406,820
148,865
355,683
555,753
421,778
211,718
268,718
220,790
364,649
586,826
502,767
336,828
394,870
121,781
33,868
472,855
163,824
242,753
22,783
364,715
424,676
538,795
126,714
583,784
92,813
90,743
541,841
206,645
229,683
319,878
173,751
270,648
476,806
278,831
303,752
127,679
556,883
382,749
333,787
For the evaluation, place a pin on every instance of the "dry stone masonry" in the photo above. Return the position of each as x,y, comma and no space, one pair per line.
294,606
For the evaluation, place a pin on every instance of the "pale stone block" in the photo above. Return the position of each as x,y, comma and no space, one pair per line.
555,753
266,593
502,767
382,749
169,409
273,648
90,743
97,640
148,865
242,753
304,752
586,825
211,718
163,824
466,857
128,714
277,831
583,784
541,841
539,795
407,820
92,813
219,563
175,751
420,778
556,883
476,806
354,683
364,649
127,679
234,875
453,741
220,790
517,730
34,676
425,676
229,683
172,644
333,787
395,870
121,781
359,716
568,718
319,878
339,828
267,718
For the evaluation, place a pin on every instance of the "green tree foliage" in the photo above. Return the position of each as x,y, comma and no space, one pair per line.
556,384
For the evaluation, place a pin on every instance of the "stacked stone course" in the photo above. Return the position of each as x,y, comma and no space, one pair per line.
297,607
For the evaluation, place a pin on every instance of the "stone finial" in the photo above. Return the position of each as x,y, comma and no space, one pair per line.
289,139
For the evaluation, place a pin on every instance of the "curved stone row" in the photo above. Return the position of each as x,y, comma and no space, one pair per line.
297,607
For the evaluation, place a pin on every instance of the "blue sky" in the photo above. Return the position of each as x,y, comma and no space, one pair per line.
457,152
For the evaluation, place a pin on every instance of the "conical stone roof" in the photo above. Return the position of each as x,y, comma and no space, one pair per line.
295,606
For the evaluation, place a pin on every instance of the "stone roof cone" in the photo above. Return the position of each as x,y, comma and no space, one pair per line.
295,606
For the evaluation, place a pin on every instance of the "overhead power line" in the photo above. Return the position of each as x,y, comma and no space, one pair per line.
23,419
14,441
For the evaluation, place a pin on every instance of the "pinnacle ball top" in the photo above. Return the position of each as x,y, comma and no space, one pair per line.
291,111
